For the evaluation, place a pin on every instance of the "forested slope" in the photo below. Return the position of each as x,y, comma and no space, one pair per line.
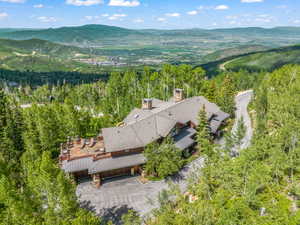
266,60
262,180
261,186
33,190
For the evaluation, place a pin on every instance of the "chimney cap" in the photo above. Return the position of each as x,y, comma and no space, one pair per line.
178,94
147,103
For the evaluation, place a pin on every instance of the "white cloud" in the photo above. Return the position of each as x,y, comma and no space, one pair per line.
296,21
117,16
89,17
3,15
13,1
251,1
222,7
263,20
124,3
38,6
84,2
282,7
138,20
46,19
105,15
192,13
231,17
173,14
160,19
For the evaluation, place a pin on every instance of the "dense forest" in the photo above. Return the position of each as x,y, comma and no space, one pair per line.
261,186
258,187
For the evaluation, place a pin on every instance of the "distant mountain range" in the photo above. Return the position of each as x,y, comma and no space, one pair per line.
101,35
100,48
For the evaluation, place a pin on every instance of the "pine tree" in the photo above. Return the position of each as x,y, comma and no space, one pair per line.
131,218
226,95
203,133
212,92
164,159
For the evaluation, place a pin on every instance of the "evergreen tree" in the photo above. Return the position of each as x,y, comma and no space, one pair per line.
203,133
164,159
131,218
226,95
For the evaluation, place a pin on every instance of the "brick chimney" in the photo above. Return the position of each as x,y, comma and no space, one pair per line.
147,103
178,95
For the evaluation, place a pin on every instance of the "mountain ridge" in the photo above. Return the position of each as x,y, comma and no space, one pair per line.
96,33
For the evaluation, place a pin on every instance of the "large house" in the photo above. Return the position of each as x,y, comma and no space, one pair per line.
119,150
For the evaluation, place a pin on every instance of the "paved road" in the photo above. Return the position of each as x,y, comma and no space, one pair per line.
116,197
223,65
242,101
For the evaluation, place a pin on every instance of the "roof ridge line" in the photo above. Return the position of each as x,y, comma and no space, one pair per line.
156,125
131,127
171,106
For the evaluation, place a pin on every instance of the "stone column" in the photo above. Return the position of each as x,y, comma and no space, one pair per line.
97,180
132,171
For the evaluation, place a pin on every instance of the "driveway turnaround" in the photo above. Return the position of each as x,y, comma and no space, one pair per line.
117,196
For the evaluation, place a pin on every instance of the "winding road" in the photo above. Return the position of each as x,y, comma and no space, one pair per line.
116,197
242,101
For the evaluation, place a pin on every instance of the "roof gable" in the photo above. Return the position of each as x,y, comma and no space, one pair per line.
120,138
150,125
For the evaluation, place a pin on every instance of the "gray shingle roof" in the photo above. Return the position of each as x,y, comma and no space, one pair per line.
116,163
120,138
184,139
102,164
157,123
77,165
137,114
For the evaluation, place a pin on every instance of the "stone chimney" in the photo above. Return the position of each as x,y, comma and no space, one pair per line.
147,103
178,95
78,140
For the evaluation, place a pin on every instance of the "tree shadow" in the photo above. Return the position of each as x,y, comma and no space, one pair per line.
114,214
176,178
87,205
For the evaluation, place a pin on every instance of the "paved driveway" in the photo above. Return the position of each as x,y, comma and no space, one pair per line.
115,197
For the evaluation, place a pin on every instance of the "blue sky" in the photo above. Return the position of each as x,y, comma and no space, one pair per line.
163,14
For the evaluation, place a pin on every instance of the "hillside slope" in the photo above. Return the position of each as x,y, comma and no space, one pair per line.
71,35
37,46
42,56
225,53
266,60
